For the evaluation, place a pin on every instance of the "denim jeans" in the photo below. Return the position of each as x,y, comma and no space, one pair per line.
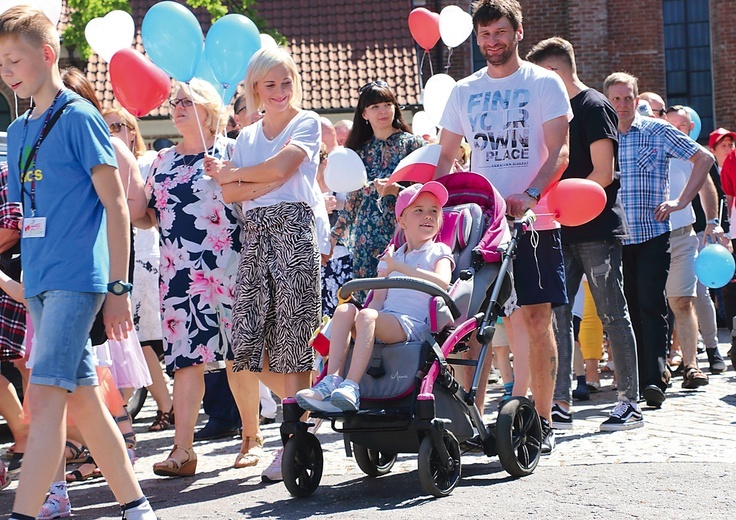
600,261
646,267
218,402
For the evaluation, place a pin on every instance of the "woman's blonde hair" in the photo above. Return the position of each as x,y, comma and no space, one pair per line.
260,65
204,94
139,145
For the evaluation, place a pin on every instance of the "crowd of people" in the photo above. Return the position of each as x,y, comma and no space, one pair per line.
221,254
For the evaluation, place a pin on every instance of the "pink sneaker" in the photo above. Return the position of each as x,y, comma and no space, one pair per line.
55,507
5,479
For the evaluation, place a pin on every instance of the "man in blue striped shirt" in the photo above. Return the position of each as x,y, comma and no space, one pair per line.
645,147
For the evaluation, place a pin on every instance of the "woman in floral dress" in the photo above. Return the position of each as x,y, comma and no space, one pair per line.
199,258
381,137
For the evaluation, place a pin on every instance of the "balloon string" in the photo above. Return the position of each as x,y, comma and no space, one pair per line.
421,71
431,69
449,55
222,107
196,116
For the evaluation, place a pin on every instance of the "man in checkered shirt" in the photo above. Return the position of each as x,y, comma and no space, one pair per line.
645,147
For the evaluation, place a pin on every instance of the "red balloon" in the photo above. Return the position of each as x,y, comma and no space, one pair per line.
575,202
424,26
138,84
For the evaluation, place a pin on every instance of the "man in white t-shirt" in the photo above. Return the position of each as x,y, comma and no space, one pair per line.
515,117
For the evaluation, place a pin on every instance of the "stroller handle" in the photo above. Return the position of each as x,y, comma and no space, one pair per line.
399,282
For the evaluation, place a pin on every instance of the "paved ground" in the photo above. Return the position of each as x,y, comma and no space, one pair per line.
680,465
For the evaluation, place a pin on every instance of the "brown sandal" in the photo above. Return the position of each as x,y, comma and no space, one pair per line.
172,467
163,421
693,377
252,455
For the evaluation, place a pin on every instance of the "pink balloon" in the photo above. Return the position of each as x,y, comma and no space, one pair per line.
424,26
575,202
138,84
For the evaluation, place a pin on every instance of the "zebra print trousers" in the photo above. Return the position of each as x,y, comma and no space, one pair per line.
277,291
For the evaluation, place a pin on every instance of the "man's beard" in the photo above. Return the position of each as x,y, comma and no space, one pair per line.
503,58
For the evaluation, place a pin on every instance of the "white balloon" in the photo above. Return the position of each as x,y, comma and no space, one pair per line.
437,91
455,25
422,125
267,42
111,33
345,171
51,8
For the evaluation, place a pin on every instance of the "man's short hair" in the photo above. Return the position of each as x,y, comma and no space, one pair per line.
488,11
621,78
32,24
555,47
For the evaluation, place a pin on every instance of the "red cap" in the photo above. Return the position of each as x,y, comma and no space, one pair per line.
718,134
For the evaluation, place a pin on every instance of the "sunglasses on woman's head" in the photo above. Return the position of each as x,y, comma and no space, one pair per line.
367,86
115,128
184,102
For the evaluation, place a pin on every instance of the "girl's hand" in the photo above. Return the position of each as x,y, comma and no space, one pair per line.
388,263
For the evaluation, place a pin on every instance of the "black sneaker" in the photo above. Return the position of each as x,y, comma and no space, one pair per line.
654,396
548,437
561,418
716,361
624,416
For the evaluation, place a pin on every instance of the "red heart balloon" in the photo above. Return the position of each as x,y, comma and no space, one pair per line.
424,26
138,84
575,202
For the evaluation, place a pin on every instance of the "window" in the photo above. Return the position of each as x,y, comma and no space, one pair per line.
688,57
4,113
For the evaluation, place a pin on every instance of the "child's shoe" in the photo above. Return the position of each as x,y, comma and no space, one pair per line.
347,396
55,507
317,398
5,479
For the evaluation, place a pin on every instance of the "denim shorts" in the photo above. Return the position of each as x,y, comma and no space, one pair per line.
413,328
539,270
62,321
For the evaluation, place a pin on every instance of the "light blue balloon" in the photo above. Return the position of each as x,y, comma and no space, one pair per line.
173,39
204,72
714,266
698,124
230,44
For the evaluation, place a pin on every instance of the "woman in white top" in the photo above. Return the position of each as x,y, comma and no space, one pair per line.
272,178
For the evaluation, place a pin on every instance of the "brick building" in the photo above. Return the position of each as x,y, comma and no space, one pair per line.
681,49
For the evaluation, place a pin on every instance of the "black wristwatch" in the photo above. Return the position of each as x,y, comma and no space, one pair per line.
533,193
119,287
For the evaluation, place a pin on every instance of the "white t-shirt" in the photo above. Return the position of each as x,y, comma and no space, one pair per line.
415,303
253,148
145,241
502,118
680,172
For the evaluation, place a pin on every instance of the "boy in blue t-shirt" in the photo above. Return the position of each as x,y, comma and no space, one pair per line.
75,240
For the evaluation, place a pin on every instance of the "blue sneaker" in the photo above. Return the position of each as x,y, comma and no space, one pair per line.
317,398
347,396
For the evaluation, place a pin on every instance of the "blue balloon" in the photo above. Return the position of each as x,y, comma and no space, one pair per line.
698,125
230,44
173,39
714,266
204,72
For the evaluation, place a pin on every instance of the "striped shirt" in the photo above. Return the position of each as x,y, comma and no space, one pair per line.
643,155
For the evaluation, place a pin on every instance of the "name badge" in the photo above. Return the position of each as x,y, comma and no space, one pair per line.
34,227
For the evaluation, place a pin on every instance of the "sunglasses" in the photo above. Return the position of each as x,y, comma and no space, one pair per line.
660,111
372,84
184,102
115,128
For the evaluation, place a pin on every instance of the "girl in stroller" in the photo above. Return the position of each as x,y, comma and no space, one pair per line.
392,315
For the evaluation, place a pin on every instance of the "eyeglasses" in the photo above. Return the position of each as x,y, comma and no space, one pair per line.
660,111
115,128
368,86
240,109
184,102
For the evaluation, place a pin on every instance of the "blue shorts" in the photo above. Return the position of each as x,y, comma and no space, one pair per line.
414,329
539,273
62,321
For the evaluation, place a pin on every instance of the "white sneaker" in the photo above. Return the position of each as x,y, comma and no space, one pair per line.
273,472
347,396
317,398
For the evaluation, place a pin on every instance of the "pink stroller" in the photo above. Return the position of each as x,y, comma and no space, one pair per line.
410,399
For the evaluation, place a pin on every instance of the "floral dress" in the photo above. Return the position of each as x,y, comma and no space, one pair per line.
200,249
367,223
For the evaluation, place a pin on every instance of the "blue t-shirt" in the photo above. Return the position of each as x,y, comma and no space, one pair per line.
73,255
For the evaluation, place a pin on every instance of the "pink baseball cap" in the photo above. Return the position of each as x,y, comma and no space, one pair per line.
407,196
718,134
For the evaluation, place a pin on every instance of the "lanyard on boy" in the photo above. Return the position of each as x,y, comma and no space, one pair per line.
31,157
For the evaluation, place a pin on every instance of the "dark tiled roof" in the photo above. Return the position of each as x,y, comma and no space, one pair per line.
338,46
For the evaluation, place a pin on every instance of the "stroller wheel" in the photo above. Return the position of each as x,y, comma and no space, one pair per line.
301,465
518,437
436,477
373,462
